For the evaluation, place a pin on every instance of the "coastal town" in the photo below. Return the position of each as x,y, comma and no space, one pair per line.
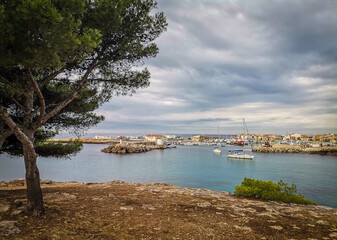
324,144
316,140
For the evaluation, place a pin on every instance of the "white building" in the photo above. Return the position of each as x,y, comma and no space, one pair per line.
152,137
170,136
103,137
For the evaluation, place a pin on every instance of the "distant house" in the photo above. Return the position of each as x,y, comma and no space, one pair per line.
328,137
196,138
286,137
200,138
296,136
268,137
102,137
305,138
170,136
153,137
317,138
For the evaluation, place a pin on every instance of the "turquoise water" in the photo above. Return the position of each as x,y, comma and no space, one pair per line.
189,166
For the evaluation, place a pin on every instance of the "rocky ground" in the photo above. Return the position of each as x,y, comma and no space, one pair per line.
280,148
117,210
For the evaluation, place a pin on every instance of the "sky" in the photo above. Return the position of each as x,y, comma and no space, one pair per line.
273,63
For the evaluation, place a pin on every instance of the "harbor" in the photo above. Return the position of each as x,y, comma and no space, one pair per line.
324,144
188,166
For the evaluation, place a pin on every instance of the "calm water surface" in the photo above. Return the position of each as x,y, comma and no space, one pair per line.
188,166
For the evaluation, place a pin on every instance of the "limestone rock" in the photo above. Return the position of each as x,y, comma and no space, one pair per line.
276,227
3,184
46,181
8,227
126,208
333,235
17,182
4,207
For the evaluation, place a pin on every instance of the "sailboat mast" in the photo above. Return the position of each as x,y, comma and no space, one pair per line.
251,146
244,134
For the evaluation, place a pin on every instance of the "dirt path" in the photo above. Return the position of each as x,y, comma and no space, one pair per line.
118,210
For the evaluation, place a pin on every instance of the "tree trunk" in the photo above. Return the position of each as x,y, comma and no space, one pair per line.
26,137
34,192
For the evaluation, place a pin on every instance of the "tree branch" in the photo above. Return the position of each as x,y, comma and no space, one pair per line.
50,77
19,104
14,127
71,97
99,80
5,80
39,95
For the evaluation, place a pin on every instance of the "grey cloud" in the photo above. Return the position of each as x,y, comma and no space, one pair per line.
301,26
270,45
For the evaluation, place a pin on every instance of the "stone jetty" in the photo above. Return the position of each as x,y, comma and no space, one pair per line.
129,147
297,149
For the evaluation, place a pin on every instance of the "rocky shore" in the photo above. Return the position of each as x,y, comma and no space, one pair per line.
297,149
129,147
118,210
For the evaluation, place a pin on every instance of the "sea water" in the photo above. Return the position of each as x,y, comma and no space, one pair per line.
188,166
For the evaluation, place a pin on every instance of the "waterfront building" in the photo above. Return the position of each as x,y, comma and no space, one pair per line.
102,137
152,137
170,136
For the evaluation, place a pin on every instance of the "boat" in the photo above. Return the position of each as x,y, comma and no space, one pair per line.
218,149
239,154
242,154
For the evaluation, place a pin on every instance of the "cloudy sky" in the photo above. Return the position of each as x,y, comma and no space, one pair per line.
273,63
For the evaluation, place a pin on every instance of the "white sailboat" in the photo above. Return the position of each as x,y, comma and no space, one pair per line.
241,154
218,149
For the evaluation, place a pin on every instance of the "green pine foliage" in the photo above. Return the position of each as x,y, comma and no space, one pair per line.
58,149
269,190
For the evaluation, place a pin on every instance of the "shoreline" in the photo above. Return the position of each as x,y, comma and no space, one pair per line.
119,210
135,146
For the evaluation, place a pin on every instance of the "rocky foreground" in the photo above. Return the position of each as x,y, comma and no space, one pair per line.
128,147
118,210
298,149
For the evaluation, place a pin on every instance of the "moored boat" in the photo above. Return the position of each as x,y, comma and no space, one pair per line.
241,154
217,150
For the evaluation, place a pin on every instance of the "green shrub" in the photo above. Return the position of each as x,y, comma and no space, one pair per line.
271,191
58,149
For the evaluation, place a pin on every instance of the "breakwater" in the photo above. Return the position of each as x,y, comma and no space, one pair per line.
132,147
297,149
